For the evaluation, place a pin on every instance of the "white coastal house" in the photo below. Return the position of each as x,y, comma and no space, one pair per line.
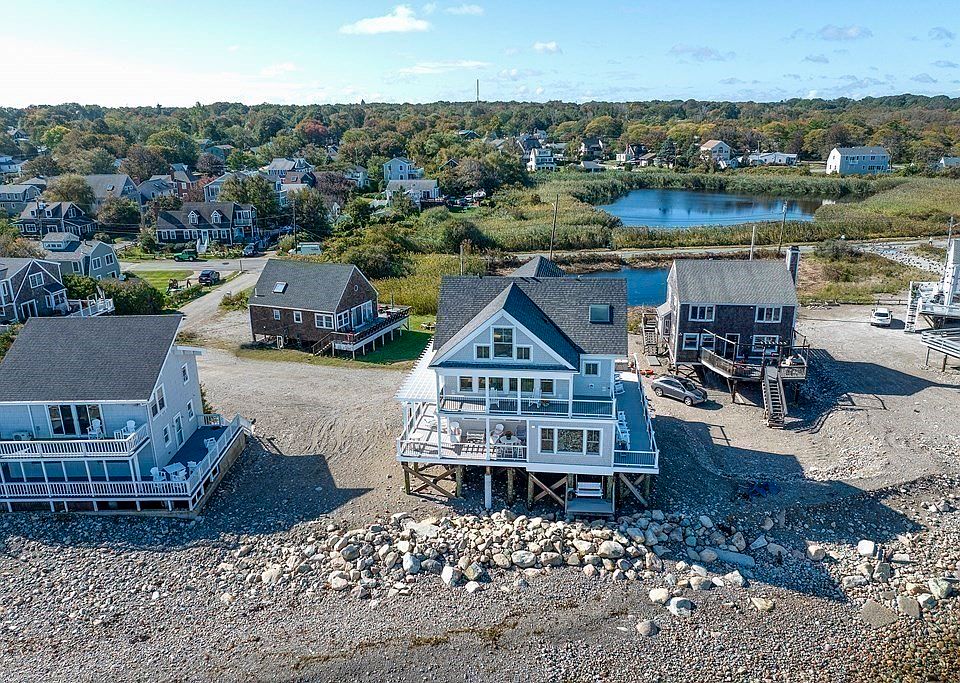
771,159
541,159
401,168
858,161
528,373
116,424
420,191
718,150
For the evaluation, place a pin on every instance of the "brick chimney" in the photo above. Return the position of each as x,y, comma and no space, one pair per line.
793,261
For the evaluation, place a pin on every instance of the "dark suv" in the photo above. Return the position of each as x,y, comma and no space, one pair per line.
209,277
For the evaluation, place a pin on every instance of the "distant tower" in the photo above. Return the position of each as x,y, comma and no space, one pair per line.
478,91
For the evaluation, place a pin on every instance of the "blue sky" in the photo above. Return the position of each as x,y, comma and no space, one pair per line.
294,51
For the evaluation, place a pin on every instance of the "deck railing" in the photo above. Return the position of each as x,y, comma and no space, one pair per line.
415,448
135,490
390,316
646,459
88,308
751,367
120,447
526,405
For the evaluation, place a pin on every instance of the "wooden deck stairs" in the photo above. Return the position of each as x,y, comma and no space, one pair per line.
774,398
324,344
650,342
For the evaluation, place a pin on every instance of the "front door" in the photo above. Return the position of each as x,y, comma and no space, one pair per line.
28,309
178,429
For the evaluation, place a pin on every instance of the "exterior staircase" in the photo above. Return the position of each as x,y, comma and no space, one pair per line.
774,397
913,309
324,344
650,344
203,243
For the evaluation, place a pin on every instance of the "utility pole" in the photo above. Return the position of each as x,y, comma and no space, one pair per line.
478,91
461,259
753,240
783,225
553,233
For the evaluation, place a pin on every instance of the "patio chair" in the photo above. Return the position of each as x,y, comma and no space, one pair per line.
179,475
618,387
497,432
131,427
454,433
95,430
158,474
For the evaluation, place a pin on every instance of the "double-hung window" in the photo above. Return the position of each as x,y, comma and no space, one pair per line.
276,314
546,387
503,342
769,314
297,317
185,373
691,342
708,342
466,384
159,402
323,321
701,314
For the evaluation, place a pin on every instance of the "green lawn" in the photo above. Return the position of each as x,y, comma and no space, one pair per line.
399,354
158,279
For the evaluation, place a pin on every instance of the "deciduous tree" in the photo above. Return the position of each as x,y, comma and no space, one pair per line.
71,188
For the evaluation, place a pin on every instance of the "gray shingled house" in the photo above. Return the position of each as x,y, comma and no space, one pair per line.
92,258
119,425
321,307
737,319
528,373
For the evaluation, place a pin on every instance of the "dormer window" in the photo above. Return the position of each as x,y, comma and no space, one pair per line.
193,218
503,342
600,313
215,217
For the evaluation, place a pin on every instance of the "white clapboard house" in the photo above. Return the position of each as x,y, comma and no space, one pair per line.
522,376
105,413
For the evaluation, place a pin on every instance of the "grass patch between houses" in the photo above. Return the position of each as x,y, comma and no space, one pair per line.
852,277
399,354
159,279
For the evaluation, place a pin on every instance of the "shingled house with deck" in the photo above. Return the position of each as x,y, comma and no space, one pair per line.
321,307
528,373
736,319
119,424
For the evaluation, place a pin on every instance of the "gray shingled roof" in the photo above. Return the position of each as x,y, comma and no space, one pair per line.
515,302
558,308
310,286
734,282
107,358
538,266
871,149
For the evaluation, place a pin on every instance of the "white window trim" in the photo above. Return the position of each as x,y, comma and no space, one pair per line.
191,413
477,356
712,345
276,314
583,450
34,277
323,321
460,384
690,342
777,315
513,342
583,369
297,317
769,340
709,313
185,373
529,349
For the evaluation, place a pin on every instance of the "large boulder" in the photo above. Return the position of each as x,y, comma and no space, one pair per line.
610,550
523,558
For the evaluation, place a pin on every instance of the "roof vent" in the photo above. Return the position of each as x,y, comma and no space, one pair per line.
279,288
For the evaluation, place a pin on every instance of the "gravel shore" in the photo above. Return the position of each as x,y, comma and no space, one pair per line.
303,568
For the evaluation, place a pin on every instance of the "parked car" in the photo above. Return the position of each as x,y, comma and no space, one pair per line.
186,255
250,249
680,389
881,317
209,277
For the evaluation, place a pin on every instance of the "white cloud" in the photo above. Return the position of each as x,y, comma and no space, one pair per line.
851,32
427,68
923,78
550,47
401,20
817,59
941,33
465,10
278,69
430,8
701,54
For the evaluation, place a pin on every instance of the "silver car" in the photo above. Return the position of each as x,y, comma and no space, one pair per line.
680,389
